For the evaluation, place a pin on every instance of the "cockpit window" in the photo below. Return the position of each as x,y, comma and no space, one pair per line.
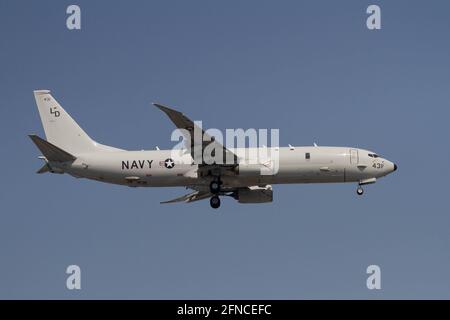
373,155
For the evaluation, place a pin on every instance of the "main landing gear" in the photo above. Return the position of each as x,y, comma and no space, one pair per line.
214,202
214,188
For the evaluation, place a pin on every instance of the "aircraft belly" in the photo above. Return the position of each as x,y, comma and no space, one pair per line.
311,173
286,175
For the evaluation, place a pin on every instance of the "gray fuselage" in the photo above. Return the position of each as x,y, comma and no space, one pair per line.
296,165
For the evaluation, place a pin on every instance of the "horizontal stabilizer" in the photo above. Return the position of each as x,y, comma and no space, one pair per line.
50,151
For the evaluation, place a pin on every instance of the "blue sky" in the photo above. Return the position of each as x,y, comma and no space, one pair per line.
310,68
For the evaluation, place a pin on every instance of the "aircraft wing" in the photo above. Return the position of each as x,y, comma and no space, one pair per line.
197,148
191,197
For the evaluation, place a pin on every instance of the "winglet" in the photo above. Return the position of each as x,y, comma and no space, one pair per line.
177,117
164,108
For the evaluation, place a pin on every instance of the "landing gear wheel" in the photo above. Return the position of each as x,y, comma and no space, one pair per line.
214,186
360,191
214,202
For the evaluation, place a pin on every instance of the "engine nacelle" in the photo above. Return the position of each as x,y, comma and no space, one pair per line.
255,194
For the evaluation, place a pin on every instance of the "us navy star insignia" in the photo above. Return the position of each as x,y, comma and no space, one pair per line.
169,164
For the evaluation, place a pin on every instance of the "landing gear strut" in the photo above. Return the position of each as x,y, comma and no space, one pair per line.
214,202
360,191
214,186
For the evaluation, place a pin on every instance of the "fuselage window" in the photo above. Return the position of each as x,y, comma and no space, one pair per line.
307,156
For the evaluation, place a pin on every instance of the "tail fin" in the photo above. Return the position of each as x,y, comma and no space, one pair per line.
50,151
60,129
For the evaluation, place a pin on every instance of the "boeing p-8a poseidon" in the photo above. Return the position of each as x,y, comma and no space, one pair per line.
68,149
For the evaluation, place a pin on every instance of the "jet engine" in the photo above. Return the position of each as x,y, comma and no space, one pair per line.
255,194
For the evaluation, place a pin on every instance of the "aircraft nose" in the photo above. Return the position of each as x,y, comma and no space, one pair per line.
395,167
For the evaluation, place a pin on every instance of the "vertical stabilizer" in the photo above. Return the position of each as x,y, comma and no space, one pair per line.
61,130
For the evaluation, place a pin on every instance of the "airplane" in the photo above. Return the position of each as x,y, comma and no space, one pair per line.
68,149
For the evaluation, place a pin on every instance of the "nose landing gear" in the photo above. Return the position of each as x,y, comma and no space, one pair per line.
360,191
363,182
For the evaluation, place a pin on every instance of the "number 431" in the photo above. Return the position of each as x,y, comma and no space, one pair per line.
378,165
